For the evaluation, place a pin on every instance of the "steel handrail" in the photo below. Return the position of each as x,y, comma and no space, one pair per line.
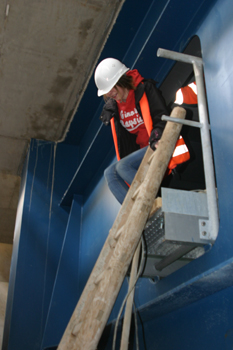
204,126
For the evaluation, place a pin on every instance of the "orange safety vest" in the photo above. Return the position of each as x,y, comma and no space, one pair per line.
181,153
187,94
114,135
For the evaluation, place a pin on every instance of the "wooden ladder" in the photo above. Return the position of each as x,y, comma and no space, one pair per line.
91,314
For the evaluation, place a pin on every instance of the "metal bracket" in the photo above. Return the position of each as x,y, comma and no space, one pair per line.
182,121
204,229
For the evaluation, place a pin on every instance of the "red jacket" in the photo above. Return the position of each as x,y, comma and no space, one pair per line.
151,107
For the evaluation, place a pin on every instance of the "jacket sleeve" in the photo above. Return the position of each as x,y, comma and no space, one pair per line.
157,105
108,111
157,109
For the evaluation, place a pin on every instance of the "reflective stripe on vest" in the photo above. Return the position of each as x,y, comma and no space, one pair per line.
181,153
187,95
145,109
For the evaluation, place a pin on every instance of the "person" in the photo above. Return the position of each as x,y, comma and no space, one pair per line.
134,107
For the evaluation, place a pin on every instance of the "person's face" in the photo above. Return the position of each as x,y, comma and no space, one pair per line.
118,93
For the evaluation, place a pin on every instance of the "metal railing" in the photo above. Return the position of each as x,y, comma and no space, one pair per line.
211,227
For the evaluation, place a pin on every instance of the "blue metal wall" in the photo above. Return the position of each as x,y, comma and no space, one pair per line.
56,246
39,232
206,324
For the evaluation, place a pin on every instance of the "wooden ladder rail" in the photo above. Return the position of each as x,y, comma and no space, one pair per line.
132,283
96,302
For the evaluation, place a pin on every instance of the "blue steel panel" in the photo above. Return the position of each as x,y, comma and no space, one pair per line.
99,213
206,324
65,290
203,325
172,31
31,268
210,282
96,150
218,56
39,243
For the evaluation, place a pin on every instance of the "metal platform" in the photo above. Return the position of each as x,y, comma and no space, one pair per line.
175,235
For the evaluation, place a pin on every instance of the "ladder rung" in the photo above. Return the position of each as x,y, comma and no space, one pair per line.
119,232
112,242
99,277
76,328
134,196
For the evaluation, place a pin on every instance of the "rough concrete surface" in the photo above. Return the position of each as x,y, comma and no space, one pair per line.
48,51
5,258
3,298
9,189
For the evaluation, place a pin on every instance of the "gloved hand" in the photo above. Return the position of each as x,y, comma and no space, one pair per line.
154,138
108,111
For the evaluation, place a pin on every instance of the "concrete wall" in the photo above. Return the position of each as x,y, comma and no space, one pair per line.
5,262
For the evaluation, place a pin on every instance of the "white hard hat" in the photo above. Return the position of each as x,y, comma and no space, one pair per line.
107,74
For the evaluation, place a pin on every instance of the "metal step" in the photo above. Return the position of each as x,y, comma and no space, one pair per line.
174,235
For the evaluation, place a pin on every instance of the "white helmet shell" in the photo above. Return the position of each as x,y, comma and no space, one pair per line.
107,74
